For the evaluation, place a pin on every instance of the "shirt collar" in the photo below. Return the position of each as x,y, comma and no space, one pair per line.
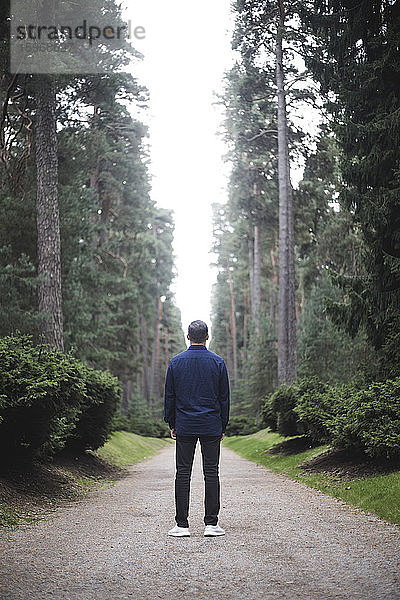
197,347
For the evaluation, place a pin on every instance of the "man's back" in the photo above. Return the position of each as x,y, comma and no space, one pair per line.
197,408
197,392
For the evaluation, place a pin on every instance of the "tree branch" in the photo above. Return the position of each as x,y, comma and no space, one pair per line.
121,259
261,134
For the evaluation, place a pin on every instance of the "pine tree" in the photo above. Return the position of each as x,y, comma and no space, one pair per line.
355,57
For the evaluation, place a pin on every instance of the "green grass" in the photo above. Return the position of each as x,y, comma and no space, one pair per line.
377,494
124,448
10,517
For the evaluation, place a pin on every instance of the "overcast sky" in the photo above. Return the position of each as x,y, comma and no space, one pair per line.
186,49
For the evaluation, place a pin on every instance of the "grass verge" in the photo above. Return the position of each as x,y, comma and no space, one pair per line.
126,448
376,493
30,491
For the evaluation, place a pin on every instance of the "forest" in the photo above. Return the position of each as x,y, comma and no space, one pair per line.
307,244
309,273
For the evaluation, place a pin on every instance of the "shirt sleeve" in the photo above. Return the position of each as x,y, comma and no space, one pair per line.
224,396
169,398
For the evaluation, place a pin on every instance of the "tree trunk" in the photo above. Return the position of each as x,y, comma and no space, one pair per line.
286,309
48,219
232,323
273,294
126,396
250,245
146,383
245,334
166,348
257,280
155,359
228,353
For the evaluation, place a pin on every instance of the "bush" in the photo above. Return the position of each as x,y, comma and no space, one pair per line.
120,422
241,425
369,420
268,415
315,408
41,394
94,424
278,410
47,396
357,416
144,424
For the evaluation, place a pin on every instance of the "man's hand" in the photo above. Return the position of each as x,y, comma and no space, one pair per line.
222,436
173,434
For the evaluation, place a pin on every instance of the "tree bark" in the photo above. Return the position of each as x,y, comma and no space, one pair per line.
250,245
286,309
166,348
232,323
245,334
155,359
228,352
126,396
273,294
146,383
48,219
257,280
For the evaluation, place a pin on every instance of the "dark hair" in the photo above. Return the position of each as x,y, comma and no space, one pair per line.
197,331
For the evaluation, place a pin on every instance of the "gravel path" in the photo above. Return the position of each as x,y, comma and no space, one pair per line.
283,540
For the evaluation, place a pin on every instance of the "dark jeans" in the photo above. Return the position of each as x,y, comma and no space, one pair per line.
210,450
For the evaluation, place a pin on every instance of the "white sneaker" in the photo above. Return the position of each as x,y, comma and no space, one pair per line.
179,531
213,530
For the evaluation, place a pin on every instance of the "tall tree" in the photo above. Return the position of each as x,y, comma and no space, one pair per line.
110,263
287,306
355,57
267,34
48,219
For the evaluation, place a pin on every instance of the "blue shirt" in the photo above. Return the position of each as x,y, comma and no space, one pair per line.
197,393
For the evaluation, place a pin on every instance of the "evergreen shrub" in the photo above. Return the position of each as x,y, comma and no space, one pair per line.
144,424
47,397
357,416
241,425
279,412
120,422
94,423
316,407
268,415
41,393
369,420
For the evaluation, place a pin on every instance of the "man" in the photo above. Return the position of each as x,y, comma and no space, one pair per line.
197,408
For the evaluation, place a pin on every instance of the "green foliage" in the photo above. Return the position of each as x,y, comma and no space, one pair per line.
262,364
359,83
317,409
94,424
47,397
41,396
120,422
117,258
357,416
279,409
144,424
322,348
241,425
369,420
327,238
268,415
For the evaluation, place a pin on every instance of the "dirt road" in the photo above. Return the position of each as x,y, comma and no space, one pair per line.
283,541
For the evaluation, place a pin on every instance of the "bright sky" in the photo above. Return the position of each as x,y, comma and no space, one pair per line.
186,49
